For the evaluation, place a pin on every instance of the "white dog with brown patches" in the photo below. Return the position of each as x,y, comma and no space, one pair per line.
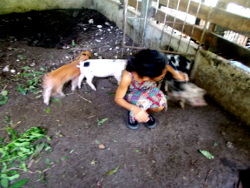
101,68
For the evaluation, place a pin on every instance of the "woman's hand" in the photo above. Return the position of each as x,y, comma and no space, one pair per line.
140,114
181,76
177,75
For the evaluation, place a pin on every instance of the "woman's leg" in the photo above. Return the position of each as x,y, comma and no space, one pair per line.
157,109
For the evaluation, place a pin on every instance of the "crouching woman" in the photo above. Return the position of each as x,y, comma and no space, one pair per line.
138,92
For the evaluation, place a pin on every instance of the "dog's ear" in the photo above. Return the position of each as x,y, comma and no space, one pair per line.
88,53
83,53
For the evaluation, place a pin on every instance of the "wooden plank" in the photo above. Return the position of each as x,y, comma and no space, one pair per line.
227,49
218,16
231,21
244,3
211,41
133,3
195,34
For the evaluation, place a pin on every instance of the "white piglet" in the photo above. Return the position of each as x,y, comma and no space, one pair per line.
100,68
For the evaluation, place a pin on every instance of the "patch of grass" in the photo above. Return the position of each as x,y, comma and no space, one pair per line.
3,97
21,57
112,171
29,80
14,155
6,119
99,122
47,110
73,44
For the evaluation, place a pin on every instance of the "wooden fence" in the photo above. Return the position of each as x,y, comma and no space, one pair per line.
213,34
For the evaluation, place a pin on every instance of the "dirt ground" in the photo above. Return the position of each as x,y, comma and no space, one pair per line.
83,151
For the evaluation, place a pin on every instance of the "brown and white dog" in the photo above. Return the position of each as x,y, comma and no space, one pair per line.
53,82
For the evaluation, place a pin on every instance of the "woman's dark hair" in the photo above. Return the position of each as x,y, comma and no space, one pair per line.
147,63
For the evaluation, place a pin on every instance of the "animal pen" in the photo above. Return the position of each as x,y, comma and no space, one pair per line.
192,28
91,146
191,24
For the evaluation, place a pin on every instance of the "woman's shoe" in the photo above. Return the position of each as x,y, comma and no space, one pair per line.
151,123
132,124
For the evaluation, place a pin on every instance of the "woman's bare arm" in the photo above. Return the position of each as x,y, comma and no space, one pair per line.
140,114
177,75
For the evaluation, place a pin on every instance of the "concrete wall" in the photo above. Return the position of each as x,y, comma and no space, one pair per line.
226,83
10,6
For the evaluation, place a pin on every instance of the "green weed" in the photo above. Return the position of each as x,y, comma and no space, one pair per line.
3,97
29,80
14,155
99,122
